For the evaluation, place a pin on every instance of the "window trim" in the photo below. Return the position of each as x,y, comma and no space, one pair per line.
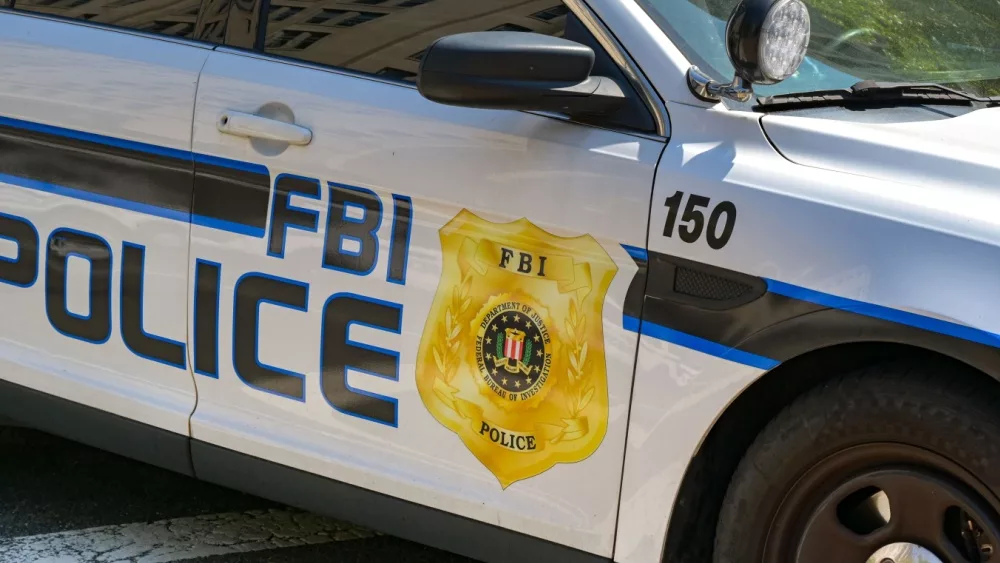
190,42
263,9
625,62
580,8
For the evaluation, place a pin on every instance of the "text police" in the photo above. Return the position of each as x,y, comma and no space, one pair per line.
340,310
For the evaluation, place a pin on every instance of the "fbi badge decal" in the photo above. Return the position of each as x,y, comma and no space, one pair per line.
512,354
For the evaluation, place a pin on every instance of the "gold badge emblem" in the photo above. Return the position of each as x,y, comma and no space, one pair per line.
512,355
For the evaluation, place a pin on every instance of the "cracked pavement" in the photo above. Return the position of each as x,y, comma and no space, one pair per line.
65,502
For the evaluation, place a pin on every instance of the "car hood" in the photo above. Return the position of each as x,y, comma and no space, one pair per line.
963,150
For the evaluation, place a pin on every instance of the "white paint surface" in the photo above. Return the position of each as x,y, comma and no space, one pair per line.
125,86
500,165
181,538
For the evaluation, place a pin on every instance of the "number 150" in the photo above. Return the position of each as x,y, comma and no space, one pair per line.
693,220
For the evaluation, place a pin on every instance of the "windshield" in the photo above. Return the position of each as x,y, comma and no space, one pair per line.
953,42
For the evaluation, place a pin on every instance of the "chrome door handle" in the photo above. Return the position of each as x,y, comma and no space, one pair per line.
257,127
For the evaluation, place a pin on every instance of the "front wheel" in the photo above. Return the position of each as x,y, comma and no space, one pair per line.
893,464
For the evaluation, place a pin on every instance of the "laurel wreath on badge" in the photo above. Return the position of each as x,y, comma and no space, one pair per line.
446,349
579,395
512,356
578,391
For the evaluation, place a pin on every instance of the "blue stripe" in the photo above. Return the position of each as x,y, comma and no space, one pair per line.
827,300
95,138
133,145
234,164
630,323
176,215
897,316
223,225
111,201
56,189
636,252
701,345
885,313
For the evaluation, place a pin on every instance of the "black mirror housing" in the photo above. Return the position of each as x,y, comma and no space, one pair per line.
515,70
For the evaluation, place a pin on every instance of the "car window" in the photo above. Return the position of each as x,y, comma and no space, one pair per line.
388,37
191,19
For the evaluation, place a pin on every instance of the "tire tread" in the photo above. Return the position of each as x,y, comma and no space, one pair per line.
930,405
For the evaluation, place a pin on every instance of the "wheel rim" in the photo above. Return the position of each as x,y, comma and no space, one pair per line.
885,503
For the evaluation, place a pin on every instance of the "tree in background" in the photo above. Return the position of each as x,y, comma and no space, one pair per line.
950,41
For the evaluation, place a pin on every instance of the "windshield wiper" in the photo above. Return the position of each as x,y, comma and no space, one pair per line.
869,93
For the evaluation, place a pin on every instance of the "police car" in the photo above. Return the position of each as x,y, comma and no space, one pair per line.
650,280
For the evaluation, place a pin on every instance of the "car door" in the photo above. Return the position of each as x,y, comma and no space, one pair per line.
419,300
95,184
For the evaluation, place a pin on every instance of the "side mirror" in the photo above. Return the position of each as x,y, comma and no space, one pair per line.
515,70
766,41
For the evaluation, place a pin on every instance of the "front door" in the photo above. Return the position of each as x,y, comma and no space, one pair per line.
95,184
425,301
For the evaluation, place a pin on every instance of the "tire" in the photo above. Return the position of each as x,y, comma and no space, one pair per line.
812,488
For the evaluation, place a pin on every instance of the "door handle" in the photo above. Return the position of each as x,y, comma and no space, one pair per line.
257,127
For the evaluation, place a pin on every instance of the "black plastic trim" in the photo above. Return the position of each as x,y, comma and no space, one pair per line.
388,514
176,452
663,271
781,328
94,427
825,327
263,14
634,114
734,326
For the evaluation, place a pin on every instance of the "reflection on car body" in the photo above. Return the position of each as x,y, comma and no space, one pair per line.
527,281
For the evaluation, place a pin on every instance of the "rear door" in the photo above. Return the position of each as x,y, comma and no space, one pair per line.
95,197
428,301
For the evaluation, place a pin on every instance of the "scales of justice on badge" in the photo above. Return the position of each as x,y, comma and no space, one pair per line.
512,354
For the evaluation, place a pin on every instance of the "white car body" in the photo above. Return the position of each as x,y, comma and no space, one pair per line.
839,220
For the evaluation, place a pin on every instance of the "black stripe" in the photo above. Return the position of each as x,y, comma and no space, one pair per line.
206,318
117,172
177,452
633,297
232,195
94,427
775,326
729,327
215,188
700,285
727,320
430,526
828,327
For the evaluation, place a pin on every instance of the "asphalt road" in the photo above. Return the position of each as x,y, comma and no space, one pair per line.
63,502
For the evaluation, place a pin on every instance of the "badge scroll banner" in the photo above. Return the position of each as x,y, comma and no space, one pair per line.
562,269
556,286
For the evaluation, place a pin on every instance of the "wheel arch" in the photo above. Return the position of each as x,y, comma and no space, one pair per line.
695,511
